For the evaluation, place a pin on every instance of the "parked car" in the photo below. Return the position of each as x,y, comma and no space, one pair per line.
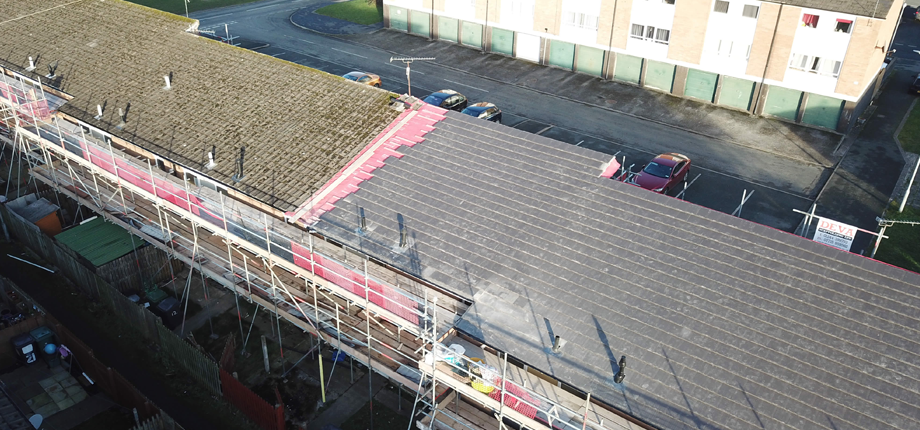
363,78
484,110
915,85
663,173
447,99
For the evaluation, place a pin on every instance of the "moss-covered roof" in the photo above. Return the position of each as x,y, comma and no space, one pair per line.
299,125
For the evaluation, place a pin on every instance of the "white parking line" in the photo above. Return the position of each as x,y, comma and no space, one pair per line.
346,52
579,143
911,46
468,86
544,130
276,55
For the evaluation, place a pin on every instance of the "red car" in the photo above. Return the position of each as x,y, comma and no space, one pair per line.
663,173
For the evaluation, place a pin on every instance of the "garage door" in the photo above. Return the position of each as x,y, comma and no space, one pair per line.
419,23
503,41
782,102
659,75
398,18
527,46
561,54
701,85
736,93
590,60
471,34
447,28
822,111
628,68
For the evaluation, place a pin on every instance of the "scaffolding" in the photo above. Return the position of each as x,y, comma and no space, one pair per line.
391,323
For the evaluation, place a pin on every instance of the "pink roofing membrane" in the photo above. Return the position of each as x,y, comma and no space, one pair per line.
408,129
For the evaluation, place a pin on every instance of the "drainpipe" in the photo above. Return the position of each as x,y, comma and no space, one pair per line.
769,55
613,22
485,30
431,23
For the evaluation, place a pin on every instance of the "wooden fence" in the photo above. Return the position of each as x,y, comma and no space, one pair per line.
159,422
138,270
206,371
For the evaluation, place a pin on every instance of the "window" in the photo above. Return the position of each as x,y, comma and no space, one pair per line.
809,20
638,31
844,25
750,11
721,6
725,48
652,34
668,1
580,20
812,64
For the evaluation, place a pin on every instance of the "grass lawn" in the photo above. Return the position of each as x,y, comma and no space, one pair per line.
176,6
910,134
902,248
356,11
384,418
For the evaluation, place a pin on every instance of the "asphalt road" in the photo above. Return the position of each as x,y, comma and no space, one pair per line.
726,171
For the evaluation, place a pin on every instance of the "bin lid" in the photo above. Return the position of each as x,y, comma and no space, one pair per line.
156,295
41,333
21,340
168,304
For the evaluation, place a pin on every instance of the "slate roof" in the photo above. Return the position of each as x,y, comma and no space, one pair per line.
299,125
869,8
726,324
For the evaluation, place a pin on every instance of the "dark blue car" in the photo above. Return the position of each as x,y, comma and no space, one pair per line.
447,99
486,111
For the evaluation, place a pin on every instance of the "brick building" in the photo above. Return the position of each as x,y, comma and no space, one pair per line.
813,62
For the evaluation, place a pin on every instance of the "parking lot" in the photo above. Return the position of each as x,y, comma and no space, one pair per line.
783,165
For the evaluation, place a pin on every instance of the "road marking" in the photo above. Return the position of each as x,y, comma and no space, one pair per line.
579,143
257,8
911,46
468,86
346,52
218,16
301,40
276,55
401,67
544,130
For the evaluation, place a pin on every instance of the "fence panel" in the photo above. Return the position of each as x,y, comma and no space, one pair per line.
256,408
197,364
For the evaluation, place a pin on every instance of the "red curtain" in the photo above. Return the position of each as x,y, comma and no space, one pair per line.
810,20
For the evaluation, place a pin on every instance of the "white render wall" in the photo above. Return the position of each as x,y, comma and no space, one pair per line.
655,13
729,37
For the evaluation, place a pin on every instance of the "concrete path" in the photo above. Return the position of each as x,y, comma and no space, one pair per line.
868,174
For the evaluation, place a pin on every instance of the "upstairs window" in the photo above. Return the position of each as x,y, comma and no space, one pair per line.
809,20
813,64
750,11
580,20
652,34
721,6
843,25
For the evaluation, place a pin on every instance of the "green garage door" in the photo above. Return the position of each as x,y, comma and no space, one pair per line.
503,41
419,23
659,75
782,102
471,34
701,85
628,68
398,19
561,54
822,111
590,60
447,28
736,93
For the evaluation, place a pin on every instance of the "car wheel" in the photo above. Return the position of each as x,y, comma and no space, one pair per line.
377,85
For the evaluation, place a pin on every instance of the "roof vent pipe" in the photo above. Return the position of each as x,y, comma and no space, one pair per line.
166,78
211,164
99,110
403,236
558,343
621,373
363,219
31,65
240,176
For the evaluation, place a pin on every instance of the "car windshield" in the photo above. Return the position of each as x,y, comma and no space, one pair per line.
351,77
435,99
658,170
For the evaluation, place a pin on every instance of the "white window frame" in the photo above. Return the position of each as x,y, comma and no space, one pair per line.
817,65
581,20
650,33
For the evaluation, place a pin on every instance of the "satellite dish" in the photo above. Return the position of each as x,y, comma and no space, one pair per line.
36,420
